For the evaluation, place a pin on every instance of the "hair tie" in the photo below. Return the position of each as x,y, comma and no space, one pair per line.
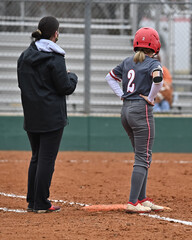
39,31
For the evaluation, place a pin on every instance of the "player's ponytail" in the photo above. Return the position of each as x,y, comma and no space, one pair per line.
140,54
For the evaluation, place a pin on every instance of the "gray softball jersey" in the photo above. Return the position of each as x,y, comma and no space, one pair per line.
136,78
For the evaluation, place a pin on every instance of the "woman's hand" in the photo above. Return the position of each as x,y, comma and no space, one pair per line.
147,100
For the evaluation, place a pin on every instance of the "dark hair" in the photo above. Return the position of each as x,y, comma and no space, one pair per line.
46,28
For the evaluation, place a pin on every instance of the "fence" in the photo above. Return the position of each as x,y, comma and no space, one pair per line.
97,35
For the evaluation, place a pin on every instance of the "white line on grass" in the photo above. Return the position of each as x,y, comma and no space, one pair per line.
82,204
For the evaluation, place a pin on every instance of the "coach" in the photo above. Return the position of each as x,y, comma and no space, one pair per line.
44,83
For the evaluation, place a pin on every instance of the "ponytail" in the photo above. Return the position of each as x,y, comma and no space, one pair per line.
140,54
37,34
139,57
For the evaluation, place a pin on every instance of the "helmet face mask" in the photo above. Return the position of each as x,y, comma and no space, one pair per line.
147,38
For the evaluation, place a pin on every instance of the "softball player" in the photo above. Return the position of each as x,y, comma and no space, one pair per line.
141,76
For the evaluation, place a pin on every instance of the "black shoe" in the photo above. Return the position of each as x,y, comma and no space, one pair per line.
29,209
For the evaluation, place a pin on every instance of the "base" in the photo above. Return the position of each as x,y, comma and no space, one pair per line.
105,208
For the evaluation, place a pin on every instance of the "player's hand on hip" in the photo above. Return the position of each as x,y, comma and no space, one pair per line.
147,100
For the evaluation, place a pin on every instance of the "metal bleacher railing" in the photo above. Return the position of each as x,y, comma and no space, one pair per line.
106,51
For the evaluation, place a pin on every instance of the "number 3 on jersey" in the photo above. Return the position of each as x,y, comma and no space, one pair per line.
131,77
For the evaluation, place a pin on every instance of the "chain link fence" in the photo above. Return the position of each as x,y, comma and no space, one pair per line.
97,35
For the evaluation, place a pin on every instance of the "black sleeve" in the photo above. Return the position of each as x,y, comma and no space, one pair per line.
64,82
18,68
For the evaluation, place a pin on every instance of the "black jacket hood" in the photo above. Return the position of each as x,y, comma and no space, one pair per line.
34,57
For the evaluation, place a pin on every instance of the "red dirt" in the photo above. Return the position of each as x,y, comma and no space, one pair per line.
97,178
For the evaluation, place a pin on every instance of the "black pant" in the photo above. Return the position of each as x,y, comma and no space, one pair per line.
44,147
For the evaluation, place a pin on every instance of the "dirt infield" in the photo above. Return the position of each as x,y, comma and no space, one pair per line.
97,178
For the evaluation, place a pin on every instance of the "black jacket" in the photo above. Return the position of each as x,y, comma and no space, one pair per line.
44,83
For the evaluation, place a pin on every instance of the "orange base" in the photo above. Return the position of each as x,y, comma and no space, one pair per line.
102,208
111,207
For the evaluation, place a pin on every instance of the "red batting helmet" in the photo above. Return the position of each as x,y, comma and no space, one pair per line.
147,38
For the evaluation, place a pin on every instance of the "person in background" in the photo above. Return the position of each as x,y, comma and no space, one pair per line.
44,83
164,98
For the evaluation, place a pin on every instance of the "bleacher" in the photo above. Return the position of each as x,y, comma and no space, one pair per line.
106,52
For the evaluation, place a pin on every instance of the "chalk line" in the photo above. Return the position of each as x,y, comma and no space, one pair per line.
83,204
52,200
11,195
104,161
12,210
167,219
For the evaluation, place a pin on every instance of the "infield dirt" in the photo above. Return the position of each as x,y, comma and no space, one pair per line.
97,178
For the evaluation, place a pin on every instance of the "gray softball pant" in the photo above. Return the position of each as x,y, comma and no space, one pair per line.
137,120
